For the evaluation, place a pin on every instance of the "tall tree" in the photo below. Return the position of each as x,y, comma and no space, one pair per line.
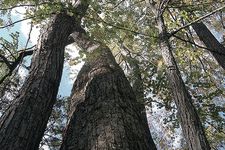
104,113
216,48
24,122
190,121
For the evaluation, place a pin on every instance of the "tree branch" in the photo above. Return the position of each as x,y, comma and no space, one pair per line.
125,29
2,27
16,6
199,46
29,5
163,6
14,64
199,19
5,60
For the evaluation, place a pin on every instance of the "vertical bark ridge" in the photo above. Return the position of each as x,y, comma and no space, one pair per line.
190,121
23,124
104,113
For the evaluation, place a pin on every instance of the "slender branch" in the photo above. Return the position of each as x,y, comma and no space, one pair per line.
125,29
5,47
29,48
5,60
28,5
29,34
4,77
191,5
13,65
25,53
212,125
187,41
163,6
202,64
118,4
199,19
119,27
2,27
16,6
221,19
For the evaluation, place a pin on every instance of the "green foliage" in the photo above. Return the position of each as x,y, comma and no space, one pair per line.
56,124
39,10
8,49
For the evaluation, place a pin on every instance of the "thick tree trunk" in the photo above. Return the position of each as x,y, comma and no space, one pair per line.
190,122
104,113
23,124
217,49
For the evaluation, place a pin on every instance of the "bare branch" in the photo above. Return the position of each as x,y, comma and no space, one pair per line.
14,64
11,24
16,6
163,6
5,47
5,60
125,29
119,27
199,46
118,4
199,19
28,5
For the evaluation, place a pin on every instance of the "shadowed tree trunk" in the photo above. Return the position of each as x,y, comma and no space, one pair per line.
189,119
217,49
190,122
24,122
104,113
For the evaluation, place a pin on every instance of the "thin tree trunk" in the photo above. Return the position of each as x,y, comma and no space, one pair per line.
104,113
189,119
217,49
23,124
190,122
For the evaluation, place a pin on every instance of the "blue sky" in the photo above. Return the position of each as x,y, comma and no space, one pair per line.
23,28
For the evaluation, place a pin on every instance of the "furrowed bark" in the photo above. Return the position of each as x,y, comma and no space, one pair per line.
104,113
23,124
189,119
204,34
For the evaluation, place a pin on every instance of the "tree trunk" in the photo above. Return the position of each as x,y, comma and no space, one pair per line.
190,122
217,49
24,122
104,113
